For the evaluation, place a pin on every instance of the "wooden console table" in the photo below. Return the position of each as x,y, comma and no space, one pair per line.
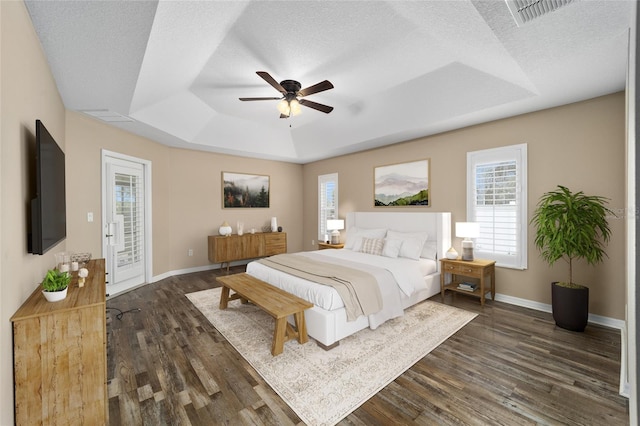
60,356
247,246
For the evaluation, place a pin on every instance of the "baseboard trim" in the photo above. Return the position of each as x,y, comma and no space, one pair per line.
594,319
175,272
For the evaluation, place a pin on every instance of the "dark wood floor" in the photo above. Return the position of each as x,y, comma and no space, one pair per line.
509,366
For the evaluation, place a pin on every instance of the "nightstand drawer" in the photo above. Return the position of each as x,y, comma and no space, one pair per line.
468,270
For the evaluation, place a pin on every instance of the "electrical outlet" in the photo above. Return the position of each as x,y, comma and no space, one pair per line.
90,217
190,253
313,242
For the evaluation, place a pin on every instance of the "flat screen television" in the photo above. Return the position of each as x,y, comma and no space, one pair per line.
48,208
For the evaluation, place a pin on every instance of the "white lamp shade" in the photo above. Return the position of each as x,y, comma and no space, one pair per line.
467,229
335,224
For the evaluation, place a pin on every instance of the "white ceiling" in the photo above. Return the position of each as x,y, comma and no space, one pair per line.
173,70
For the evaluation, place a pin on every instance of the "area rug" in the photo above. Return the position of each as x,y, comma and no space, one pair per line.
323,387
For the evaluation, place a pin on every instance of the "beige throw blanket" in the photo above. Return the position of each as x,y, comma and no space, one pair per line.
359,290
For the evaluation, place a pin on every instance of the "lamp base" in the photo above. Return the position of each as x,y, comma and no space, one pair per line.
467,250
335,237
467,254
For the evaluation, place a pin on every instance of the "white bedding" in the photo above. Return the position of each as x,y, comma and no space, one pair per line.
327,321
410,274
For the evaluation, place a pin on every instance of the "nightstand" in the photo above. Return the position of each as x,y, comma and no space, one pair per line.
478,268
322,246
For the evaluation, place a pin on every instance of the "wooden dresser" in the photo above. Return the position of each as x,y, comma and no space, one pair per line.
246,246
60,357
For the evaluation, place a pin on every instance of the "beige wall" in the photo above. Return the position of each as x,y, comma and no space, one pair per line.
28,92
186,194
581,146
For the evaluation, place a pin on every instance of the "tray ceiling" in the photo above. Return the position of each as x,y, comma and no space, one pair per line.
173,71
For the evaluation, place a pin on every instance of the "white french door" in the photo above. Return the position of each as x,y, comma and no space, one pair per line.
125,221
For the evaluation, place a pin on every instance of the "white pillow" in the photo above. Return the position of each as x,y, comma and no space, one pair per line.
411,249
355,235
430,250
372,246
391,247
412,243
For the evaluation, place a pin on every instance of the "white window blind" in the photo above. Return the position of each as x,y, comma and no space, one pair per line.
496,199
129,197
327,202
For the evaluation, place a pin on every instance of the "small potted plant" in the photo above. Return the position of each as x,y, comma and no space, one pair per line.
55,284
571,226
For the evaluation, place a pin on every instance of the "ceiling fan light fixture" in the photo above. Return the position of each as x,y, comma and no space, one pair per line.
290,90
283,107
294,105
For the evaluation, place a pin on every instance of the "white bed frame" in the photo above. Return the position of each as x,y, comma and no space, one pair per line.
329,327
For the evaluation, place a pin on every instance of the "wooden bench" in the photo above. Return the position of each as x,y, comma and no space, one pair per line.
274,301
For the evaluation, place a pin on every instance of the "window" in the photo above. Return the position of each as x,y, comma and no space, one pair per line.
497,200
327,202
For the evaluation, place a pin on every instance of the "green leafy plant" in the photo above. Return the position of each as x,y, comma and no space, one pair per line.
56,280
571,226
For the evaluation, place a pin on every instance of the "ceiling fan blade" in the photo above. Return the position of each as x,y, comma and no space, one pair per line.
320,87
265,75
259,99
320,107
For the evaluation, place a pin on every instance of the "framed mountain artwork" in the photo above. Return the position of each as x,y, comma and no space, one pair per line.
402,185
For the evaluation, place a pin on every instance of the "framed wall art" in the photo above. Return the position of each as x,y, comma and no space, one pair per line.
402,185
240,190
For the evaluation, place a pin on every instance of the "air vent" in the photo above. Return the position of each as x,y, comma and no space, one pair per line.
108,116
524,11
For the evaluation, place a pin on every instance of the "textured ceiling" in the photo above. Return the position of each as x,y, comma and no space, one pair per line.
401,69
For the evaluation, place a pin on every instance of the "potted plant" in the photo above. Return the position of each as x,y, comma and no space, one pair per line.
571,226
55,284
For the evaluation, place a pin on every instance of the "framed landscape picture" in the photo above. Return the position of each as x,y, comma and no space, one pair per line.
404,184
240,190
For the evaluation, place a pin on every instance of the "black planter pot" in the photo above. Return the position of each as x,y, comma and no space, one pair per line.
570,306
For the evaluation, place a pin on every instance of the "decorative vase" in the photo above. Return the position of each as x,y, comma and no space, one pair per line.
225,229
451,254
55,296
274,224
240,228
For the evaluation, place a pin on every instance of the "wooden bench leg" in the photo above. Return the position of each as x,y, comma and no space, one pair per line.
277,346
224,297
301,326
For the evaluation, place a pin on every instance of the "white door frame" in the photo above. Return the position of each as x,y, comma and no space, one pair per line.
148,247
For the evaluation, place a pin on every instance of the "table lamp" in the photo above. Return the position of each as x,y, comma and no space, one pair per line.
335,225
467,230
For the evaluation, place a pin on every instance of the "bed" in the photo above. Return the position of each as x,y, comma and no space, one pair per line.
416,271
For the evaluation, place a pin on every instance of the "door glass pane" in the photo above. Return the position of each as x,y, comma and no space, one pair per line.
128,191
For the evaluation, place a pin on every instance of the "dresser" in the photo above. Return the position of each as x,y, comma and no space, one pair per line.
60,357
247,246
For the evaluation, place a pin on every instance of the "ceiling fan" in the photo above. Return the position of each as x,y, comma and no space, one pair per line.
289,101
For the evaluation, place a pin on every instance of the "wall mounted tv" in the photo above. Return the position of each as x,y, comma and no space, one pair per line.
48,208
